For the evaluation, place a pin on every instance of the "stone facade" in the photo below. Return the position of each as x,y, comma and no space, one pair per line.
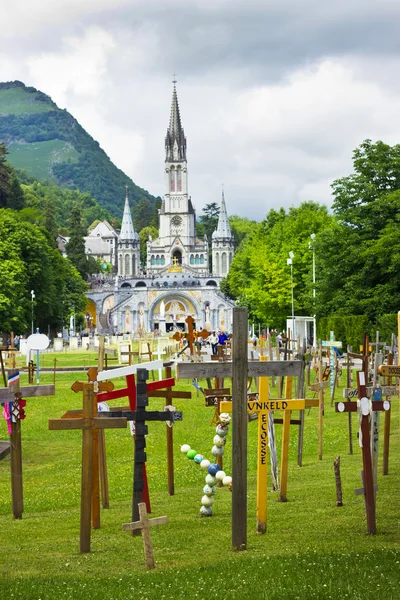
175,281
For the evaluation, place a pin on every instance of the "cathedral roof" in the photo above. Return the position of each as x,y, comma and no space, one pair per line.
175,141
127,230
223,230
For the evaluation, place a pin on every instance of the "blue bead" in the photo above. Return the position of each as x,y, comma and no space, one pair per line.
213,469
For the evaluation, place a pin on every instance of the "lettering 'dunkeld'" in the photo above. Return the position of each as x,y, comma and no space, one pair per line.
272,405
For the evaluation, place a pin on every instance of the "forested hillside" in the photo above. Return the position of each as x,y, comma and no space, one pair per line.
50,144
30,261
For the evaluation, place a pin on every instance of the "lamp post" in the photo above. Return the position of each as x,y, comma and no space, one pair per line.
312,247
32,299
290,262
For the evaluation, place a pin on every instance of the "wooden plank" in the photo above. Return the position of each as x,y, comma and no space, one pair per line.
82,423
386,430
262,460
87,463
129,370
273,368
238,370
105,500
175,394
139,525
28,391
285,444
301,393
389,370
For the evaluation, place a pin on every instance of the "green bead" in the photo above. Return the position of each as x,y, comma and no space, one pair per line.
191,454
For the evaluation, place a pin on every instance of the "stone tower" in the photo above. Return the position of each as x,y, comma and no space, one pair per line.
177,244
222,243
128,245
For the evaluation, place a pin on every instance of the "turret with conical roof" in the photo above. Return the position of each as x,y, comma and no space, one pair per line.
128,245
222,243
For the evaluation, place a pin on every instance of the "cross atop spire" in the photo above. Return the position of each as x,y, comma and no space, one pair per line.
175,141
174,79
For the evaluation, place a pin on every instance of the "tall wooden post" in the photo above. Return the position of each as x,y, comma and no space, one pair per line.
239,429
16,457
262,460
301,393
170,445
87,464
349,382
321,405
386,429
105,499
285,444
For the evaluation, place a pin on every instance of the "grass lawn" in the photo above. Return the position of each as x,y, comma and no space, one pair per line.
312,548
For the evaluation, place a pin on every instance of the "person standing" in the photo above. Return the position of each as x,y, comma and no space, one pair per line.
214,342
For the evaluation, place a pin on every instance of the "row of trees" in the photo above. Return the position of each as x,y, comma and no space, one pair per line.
30,261
356,246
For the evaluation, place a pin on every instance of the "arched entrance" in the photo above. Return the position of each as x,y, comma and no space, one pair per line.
90,315
169,312
177,257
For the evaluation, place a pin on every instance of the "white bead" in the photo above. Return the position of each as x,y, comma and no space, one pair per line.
185,448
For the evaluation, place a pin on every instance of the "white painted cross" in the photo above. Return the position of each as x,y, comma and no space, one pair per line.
129,370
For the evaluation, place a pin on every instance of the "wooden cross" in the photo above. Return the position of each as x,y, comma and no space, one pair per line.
12,398
141,416
144,525
99,465
331,344
262,407
88,422
388,371
130,392
239,369
365,407
319,387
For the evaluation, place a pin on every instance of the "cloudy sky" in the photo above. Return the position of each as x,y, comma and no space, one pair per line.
274,94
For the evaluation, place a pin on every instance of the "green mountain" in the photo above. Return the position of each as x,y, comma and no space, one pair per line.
49,144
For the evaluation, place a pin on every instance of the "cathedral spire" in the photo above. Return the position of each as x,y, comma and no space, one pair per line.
127,231
223,230
175,141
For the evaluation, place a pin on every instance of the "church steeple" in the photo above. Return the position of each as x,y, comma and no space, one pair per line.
223,230
222,243
175,140
127,230
128,245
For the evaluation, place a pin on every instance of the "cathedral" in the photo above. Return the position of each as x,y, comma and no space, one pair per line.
177,280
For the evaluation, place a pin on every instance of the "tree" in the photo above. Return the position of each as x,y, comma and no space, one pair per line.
11,194
76,245
209,220
259,277
359,254
241,227
143,214
144,236
30,262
